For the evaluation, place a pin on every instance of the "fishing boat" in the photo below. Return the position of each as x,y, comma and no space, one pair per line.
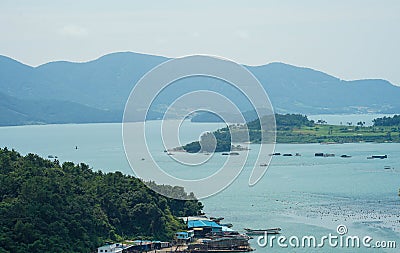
379,156
231,153
262,231
274,154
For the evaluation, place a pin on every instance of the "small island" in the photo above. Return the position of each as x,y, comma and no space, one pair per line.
297,128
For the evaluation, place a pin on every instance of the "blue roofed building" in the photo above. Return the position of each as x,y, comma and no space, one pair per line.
203,227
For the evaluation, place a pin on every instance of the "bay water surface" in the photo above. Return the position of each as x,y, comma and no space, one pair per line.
303,195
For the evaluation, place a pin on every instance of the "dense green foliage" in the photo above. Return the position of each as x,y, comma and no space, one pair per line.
192,147
290,121
48,207
207,143
387,121
284,122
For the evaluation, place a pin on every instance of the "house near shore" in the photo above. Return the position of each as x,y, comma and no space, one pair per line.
203,227
133,246
113,248
184,237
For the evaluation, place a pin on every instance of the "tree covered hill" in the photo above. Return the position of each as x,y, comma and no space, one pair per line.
48,207
16,111
387,121
103,85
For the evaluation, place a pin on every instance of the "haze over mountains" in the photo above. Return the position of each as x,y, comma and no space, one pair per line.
96,91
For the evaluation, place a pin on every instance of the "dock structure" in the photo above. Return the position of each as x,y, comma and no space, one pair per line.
209,235
203,235
222,244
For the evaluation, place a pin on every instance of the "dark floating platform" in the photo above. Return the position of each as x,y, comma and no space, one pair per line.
377,157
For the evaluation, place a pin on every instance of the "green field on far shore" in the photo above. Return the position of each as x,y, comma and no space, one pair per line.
338,133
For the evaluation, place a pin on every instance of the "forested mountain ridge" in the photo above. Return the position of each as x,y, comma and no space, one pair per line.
14,111
48,207
104,84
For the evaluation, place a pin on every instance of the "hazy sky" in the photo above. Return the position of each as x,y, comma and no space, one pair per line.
350,39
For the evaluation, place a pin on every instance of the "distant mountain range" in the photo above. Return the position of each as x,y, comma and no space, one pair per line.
14,111
96,91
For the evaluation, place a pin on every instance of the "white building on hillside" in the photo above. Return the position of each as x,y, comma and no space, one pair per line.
113,248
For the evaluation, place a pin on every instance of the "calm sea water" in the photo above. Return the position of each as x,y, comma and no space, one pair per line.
303,195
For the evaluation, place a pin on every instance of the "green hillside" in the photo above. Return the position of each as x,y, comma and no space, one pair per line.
48,207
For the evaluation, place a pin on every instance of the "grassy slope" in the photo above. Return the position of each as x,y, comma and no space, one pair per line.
333,133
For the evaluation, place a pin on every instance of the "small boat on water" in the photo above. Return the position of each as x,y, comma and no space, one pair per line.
287,154
345,156
387,168
262,231
264,164
217,219
324,155
377,157
274,154
231,153
228,225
